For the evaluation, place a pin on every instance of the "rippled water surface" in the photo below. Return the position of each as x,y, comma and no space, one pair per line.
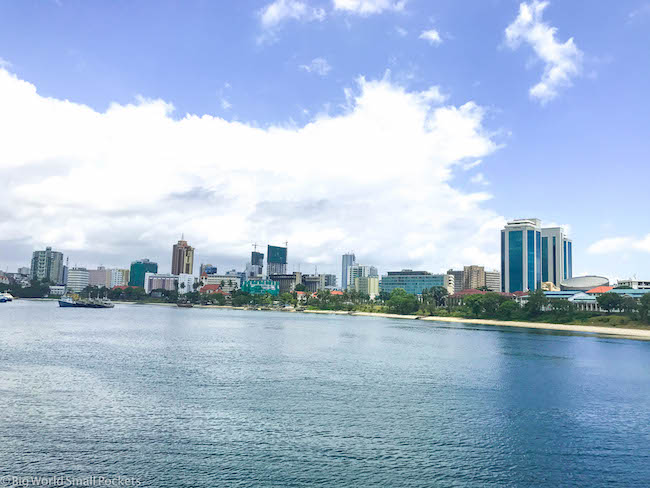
197,398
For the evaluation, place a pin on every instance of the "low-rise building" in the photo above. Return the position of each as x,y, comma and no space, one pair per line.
313,283
415,281
228,283
261,287
160,281
57,290
634,284
368,285
287,282
185,283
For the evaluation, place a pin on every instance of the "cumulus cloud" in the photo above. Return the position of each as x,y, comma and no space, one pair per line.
318,66
274,14
125,183
562,61
432,36
612,245
369,7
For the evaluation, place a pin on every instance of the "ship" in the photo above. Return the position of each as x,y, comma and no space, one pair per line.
66,302
6,297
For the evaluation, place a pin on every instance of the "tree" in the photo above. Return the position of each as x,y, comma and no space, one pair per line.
536,303
475,304
300,287
644,307
483,288
610,301
402,303
507,309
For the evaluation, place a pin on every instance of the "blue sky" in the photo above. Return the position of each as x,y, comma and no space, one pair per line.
274,72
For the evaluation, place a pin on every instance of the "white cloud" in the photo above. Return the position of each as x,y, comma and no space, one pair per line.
124,183
401,31
479,179
225,104
319,66
432,36
273,15
612,245
562,61
369,7
4,64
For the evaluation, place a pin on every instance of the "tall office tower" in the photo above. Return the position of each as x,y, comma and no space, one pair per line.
557,256
473,277
138,270
276,260
48,265
493,280
521,255
182,258
257,264
347,260
360,271
459,279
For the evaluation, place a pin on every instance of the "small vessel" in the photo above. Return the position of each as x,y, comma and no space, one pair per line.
184,305
6,297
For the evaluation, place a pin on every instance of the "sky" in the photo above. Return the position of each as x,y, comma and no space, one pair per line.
407,131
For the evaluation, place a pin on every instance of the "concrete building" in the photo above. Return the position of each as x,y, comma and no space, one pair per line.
24,271
330,281
521,255
459,278
347,260
261,287
493,280
47,265
228,283
100,277
634,284
367,285
160,281
583,283
287,282
207,269
359,271
557,256
182,258
414,281
78,279
119,277
276,260
138,271
255,269
473,277
313,283
57,290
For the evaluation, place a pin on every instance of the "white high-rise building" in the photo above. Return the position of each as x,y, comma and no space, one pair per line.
346,261
557,256
119,277
78,279
359,271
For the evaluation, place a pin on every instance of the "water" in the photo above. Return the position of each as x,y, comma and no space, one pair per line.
206,398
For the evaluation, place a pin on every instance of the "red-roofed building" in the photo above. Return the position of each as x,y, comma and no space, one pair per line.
212,289
599,290
336,292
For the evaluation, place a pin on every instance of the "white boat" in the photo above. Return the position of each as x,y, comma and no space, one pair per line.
6,297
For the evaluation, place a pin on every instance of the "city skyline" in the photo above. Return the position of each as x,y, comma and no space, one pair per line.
414,153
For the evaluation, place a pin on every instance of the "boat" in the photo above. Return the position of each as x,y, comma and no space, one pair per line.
67,301
184,305
6,296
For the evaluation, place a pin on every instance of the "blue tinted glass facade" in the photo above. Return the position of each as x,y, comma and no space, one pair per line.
412,283
544,258
564,258
538,258
554,261
503,261
531,259
515,260
570,271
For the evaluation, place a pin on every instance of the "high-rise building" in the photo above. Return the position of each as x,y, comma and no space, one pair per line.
182,258
255,269
557,256
347,260
459,280
48,265
473,277
330,281
119,277
207,269
100,277
521,255
78,279
493,280
24,271
367,285
138,270
276,260
359,271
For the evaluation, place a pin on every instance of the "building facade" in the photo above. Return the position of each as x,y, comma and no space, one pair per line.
228,283
359,271
276,260
119,277
634,284
459,278
207,269
287,282
414,281
330,281
160,281
367,285
182,258
313,283
78,279
185,283
493,280
138,271
47,265
100,277
557,256
261,287
347,260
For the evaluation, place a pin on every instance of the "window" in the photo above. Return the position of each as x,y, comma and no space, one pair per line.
515,260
